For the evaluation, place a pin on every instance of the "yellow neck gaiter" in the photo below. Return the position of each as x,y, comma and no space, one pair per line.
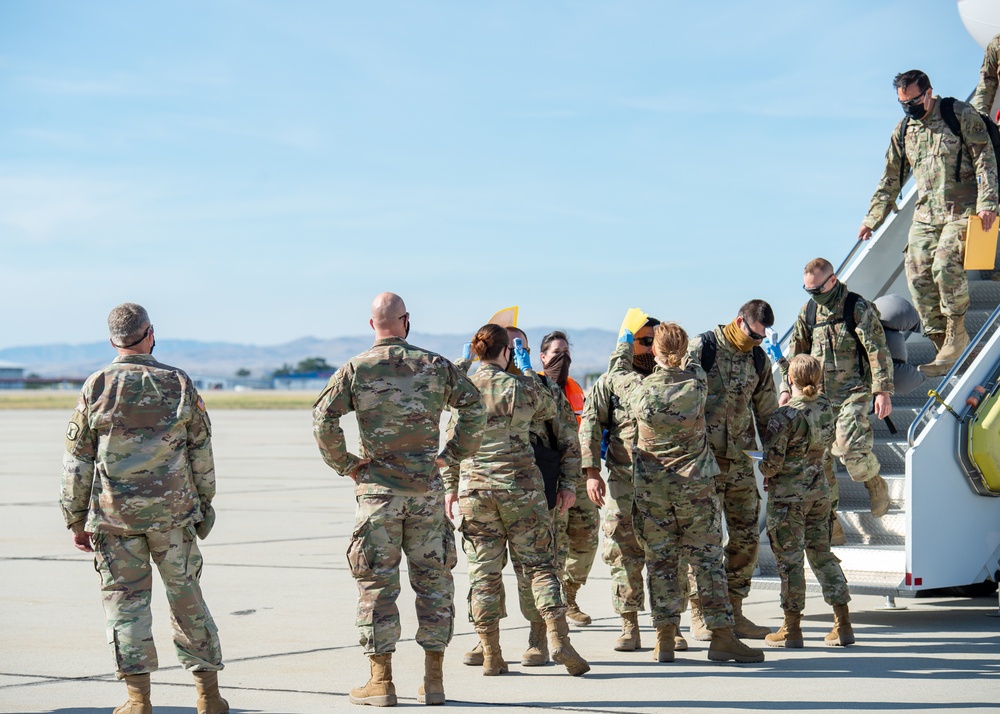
737,337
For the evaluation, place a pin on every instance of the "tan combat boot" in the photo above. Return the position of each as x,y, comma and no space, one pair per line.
842,633
744,628
138,695
698,629
537,653
837,535
790,634
680,644
878,491
664,650
493,662
562,651
628,641
573,612
379,691
726,646
432,690
474,657
209,699
949,346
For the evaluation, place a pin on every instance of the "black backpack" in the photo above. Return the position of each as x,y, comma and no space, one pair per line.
709,348
948,114
852,326
548,459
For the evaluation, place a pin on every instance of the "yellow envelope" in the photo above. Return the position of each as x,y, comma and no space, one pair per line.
506,317
980,245
635,318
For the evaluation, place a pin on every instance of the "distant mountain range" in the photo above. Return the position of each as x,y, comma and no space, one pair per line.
591,348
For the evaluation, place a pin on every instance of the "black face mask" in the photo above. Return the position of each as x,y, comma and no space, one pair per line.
407,333
915,112
152,346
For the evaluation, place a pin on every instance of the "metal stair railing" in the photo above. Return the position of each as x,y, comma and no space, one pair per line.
948,382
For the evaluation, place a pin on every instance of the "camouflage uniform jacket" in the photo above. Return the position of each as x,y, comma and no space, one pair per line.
138,450
398,392
669,409
989,75
604,409
795,441
836,349
564,426
736,397
505,460
931,151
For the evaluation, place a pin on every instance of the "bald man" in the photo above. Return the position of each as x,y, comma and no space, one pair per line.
398,392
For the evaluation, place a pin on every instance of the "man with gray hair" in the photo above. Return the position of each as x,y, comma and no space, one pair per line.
138,483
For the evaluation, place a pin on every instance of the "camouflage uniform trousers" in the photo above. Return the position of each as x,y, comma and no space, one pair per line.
854,441
622,550
794,527
124,565
491,521
736,486
678,519
386,527
935,272
577,536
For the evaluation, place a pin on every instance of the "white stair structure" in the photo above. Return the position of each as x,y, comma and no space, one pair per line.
941,531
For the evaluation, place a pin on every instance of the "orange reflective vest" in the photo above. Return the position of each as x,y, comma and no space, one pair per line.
574,393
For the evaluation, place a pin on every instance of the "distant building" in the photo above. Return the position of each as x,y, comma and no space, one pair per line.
302,381
11,375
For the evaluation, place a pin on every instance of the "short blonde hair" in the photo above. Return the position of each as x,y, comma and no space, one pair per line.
670,343
818,265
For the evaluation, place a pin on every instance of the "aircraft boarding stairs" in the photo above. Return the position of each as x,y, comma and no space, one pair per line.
941,530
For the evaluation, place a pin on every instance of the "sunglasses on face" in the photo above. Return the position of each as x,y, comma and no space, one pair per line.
818,290
644,341
908,103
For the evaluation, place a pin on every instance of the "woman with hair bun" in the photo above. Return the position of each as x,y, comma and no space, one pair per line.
677,514
501,500
796,441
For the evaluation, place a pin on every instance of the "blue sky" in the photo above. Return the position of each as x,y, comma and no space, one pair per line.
257,171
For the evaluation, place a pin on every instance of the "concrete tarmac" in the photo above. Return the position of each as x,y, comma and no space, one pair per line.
277,581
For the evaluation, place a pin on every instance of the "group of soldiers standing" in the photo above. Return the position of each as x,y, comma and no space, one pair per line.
674,420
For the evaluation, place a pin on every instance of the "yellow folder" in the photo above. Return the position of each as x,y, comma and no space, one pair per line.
980,245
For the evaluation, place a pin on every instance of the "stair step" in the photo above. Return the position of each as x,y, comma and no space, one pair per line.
854,495
863,567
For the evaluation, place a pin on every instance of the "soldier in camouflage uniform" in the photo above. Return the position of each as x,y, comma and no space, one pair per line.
798,509
603,411
934,253
847,384
559,433
578,529
741,394
501,500
982,101
138,483
675,507
398,392
989,77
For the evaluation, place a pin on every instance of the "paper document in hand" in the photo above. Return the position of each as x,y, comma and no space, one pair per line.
755,455
980,245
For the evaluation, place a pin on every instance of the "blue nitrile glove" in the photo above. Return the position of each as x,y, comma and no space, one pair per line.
467,350
625,336
772,347
522,360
